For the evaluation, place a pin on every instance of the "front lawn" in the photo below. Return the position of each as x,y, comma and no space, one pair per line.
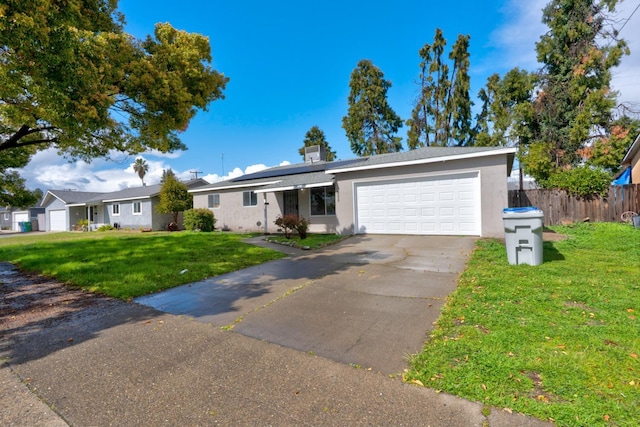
126,265
559,341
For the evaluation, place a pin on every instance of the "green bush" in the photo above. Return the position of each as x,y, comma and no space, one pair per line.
105,227
199,220
581,181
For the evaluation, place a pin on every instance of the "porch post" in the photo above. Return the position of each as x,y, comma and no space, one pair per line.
266,205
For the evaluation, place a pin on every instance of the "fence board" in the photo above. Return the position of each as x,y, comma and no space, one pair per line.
560,207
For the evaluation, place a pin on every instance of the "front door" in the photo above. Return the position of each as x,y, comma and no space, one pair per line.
291,202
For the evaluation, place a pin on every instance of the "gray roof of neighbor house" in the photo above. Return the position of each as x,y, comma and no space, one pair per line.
69,197
303,175
83,197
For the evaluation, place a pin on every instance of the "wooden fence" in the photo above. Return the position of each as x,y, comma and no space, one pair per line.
560,207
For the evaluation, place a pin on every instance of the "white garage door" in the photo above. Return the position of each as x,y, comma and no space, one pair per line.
58,220
18,218
446,204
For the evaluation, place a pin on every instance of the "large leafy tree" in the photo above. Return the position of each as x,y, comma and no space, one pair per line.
174,197
370,124
506,108
574,104
315,136
72,79
442,112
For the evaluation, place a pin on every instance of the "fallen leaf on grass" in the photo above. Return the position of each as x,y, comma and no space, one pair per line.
418,382
635,356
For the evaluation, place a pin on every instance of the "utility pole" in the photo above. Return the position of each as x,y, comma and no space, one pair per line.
195,173
222,157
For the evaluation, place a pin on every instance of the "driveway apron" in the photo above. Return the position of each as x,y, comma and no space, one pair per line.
369,301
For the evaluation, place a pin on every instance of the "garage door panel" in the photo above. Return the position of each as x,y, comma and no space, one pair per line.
430,205
58,220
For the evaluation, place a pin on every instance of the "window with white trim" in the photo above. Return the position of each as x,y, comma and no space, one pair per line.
249,198
6,217
214,201
115,209
137,208
323,201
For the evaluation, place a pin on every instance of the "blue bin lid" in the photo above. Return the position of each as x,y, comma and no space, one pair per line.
520,210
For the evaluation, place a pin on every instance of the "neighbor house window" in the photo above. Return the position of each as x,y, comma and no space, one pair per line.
323,201
6,217
214,201
137,208
249,198
115,209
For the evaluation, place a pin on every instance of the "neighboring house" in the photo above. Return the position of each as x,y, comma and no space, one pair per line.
632,160
5,218
129,208
432,190
10,218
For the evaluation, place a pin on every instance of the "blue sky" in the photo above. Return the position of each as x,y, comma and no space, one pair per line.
289,64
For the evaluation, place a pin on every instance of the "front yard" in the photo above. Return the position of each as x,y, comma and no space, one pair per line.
126,265
559,341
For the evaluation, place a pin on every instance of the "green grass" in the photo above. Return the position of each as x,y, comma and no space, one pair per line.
559,341
126,265
313,241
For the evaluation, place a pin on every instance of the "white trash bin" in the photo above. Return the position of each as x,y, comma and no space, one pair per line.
523,235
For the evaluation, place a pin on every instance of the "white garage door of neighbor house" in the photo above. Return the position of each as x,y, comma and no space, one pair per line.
444,204
18,218
58,220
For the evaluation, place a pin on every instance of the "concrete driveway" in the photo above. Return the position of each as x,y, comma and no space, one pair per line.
369,301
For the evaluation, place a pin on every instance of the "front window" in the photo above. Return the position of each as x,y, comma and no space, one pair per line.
214,201
249,198
115,209
137,208
323,201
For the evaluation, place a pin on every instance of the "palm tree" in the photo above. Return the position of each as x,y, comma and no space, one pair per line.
141,168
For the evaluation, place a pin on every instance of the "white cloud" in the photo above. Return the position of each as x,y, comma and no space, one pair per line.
516,39
515,44
47,170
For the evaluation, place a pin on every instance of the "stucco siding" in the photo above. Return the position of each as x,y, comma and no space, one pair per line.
232,215
635,169
493,188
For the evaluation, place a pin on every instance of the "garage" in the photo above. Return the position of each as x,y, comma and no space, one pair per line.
58,220
440,205
19,217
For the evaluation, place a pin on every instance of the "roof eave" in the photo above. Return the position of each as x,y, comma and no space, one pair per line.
635,147
504,151
295,187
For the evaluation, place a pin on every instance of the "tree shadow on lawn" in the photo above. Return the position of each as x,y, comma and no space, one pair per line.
550,253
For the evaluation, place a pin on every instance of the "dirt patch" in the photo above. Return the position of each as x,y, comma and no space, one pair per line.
27,300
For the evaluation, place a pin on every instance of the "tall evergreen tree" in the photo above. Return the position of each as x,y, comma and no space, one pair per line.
575,103
370,123
506,106
442,112
315,136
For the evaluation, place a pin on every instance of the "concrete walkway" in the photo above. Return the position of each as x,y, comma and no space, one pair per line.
131,364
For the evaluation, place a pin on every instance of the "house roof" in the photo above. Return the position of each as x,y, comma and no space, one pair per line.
421,156
81,198
307,175
295,182
633,150
68,197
